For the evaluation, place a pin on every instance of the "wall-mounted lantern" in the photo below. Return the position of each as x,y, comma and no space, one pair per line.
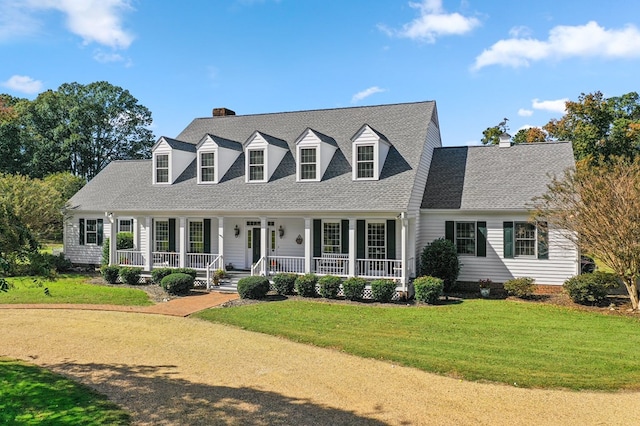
299,239
236,230
281,231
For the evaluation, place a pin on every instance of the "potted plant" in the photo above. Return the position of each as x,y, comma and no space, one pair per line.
485,287
218,276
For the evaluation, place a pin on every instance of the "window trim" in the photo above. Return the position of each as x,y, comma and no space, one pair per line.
263,165
368,246
156,168
540,245
324,237
315,163
357,161
214,166
123,220
155,235
87,232
534,240
191,240
474,238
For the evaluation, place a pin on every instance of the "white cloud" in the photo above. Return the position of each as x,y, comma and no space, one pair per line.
557,105
366,93
15,22
521,31
23,84
525,112
590,40
433,22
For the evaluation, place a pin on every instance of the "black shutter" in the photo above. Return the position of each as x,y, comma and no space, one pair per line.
360,240
481,239
508,240
317,238
543,240
391,239
206,228
449,231
101,231
172,235
81,222
344,230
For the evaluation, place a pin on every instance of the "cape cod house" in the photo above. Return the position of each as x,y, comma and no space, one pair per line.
345,191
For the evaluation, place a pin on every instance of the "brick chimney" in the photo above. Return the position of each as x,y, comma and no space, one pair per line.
222,112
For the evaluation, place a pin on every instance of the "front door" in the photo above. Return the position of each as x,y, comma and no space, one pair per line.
256,245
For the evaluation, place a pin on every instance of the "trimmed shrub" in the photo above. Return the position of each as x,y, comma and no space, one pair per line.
110,273
353,288
188,271
105,252
284,283
383,290
130,275
158,274
177,283
253,287
329,286
522,287
306,285
428,289
590,289
440,259
124,240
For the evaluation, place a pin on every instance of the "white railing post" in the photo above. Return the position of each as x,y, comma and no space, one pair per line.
113,239
148,264
403,256
308,248
183,243
352,247
221,241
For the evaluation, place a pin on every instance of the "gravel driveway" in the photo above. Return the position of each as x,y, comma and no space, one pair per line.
183,371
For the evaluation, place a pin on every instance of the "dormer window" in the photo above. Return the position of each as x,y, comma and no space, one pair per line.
308,165
162,168
256,165
364,162
207,167
314,152
263,155
216,155
370,149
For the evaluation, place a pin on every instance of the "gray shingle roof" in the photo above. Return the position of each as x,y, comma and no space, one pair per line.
491,177
127,185
180,145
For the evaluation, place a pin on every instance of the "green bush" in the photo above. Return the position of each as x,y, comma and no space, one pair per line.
353,288
428,289
383,290
306,285
124,240
440,259
130,275
329,286
522,287
284,283
110,273
177,283
158,274
45,264
105,252
590,289
188,271
253,287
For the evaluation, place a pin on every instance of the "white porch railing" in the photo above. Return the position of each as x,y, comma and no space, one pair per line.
200,260
162,259
288,264
130,258
331,264
258,267
216,263
379,268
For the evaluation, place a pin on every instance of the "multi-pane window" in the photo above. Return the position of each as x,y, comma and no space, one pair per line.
466,237
256,165
125,225
91,231
161,235
364,161
376,247
307,163
196,237
207,167
162,168
331,242
525,239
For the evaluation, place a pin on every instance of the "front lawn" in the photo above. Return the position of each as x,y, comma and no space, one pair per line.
516,343
70,288
32,395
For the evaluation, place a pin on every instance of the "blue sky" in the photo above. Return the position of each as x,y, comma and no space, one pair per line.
480,61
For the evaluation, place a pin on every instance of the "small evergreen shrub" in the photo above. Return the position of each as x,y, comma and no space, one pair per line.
105,252
284,283
253,287
522,287
428,289
130,275
329,286
177,283
383,290
353,288
158,274
590,289
440,259
110,273
188,271
306,285
124,240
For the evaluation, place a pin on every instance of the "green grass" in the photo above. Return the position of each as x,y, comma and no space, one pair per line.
70,288
31,395
521,344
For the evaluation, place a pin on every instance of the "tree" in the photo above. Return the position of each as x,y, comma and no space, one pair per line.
598,208
599,126
12,158
440,259
530,135
491,135
15,239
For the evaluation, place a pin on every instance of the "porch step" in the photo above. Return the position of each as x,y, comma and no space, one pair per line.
231,283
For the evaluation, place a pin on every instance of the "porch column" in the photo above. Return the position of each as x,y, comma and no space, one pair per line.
148,255
403,250
183,242
113,239
352,247
136,233
221,241
264,238
308,248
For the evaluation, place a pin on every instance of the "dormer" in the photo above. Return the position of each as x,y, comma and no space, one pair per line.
263,154
313,152
170,158
370,149
215,157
